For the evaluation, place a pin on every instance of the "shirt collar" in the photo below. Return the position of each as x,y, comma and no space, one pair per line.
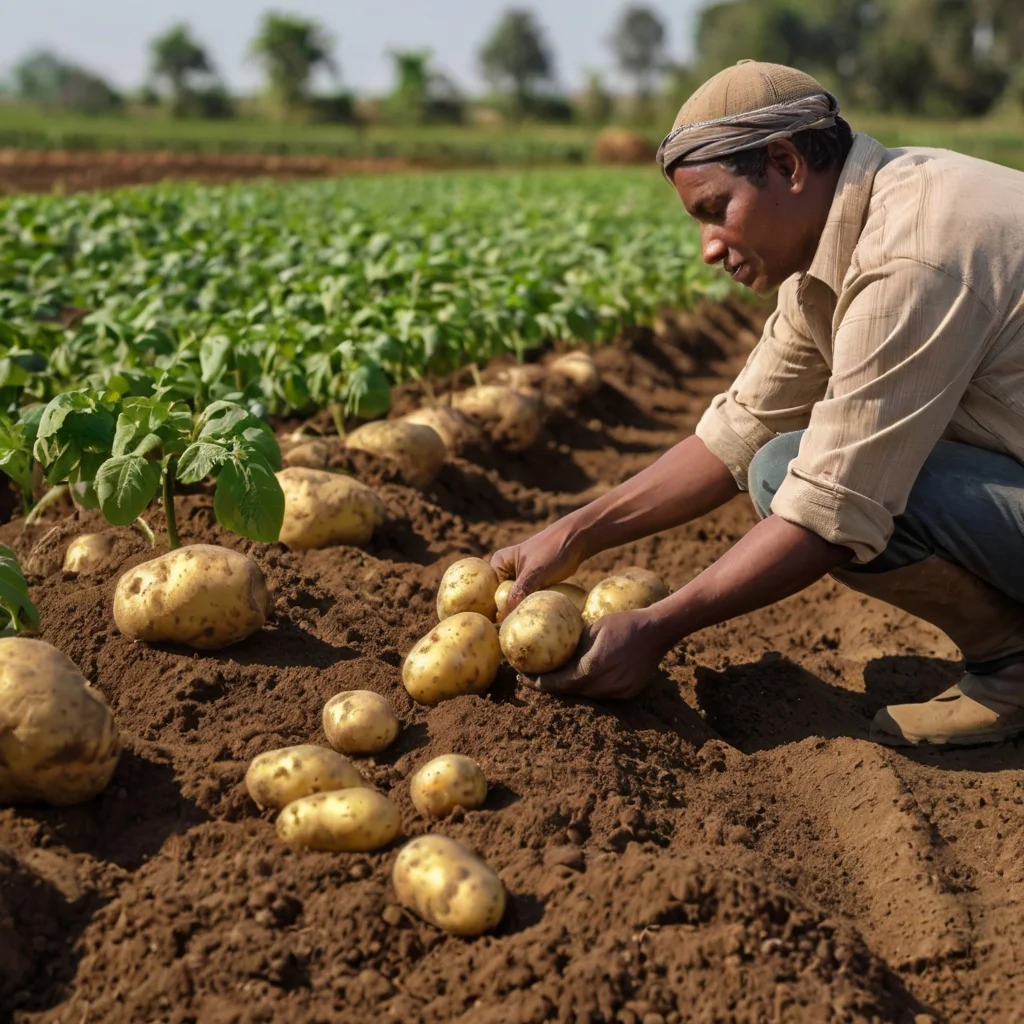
847,213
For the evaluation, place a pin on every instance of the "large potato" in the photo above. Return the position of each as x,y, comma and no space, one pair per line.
576,594
455,428
627,590
359,722
87,552
58,740
344,821
510,417
448,886
321,509
468,585
417,451
313,454
542,633
201,595
458,656
579,368
277,777
447,782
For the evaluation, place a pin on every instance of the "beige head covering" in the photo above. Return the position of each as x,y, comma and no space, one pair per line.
743,107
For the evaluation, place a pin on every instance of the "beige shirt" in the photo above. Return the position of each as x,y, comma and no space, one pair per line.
907,328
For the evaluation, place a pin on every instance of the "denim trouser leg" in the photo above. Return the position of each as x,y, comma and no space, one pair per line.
966,506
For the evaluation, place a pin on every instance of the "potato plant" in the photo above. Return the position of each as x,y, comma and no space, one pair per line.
17,612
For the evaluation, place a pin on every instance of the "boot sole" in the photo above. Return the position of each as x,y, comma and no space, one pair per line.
886,739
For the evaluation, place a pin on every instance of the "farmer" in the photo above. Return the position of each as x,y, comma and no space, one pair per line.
878,425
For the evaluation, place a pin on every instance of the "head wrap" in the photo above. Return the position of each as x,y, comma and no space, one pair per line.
744,107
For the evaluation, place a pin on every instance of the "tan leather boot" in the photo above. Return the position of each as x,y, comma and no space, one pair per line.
987,705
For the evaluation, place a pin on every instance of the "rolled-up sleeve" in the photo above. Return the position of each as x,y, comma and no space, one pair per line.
773,394
909,340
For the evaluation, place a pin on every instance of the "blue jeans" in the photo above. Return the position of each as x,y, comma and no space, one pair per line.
966,506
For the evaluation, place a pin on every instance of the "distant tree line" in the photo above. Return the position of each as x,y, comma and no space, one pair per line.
951,57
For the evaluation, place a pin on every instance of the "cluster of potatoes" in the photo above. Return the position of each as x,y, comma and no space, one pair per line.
325,803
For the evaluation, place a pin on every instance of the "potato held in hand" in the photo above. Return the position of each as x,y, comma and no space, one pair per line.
468,585
277,777
344,821
576,594
359,722
87,552
458,656
542,633
627,590
322,509
447,782
58,740
201,595
448,886
416,450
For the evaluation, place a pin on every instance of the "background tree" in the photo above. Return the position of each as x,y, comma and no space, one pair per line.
179,63
421,92
516,57
594,103
44,78
291,48
638,43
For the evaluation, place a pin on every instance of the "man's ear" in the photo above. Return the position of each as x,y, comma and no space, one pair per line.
789,163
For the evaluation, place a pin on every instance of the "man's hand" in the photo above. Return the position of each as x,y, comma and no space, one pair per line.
616,658
549,557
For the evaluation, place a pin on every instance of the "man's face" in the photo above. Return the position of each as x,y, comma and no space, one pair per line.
760,235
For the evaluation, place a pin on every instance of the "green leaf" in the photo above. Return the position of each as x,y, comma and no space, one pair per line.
199,460
249,500
263,441
58,410
125,485
213,356
222,419
16,608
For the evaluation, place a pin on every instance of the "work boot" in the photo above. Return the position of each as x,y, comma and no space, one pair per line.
987,705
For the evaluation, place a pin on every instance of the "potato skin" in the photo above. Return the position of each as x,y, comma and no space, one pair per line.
322,509
313,454
454,428
542,633
581,370
510,417
576,594
201,595
447,782
359,722
344,821
276,778
458,656
59,743
418,451
627,590
87,552
501,598
445,884
467,585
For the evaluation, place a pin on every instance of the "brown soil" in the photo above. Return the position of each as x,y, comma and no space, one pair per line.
728,847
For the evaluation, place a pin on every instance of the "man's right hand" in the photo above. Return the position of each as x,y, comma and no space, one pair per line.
549,557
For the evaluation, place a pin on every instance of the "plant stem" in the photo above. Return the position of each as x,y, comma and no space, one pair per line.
475,371
431,394
141,526
49,499
172,523
339,419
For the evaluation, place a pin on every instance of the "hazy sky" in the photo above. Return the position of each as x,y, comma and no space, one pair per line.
111,36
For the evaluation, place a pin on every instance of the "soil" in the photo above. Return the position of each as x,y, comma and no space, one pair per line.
727,847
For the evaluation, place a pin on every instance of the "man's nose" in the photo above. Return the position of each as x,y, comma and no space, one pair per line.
713,249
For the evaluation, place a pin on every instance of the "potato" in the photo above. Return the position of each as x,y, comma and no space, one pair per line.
277,777
345,821
454,428
359,722
322,509
58,740
200,595
625,591
308,455
87,552
526,379
447,782
581,370
467,585
510,417
445,884
576,594
542,633
458,656
501,598
417,451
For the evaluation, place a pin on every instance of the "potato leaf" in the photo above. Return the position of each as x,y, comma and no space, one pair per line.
125,485
17,611
248,499
200,459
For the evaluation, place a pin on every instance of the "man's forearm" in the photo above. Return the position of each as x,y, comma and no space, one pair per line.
686,482
774,560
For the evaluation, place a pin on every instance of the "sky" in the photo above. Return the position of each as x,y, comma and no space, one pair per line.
112,36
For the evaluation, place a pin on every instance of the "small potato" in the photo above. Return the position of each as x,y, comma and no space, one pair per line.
58,740
278,777
447,782
322,509
359,722
501,598
542,633
344,821
576,594
201,595
417,451
511,418
627,590
308,455
445,884
581,370
87,552
468,585
458,656
455,428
